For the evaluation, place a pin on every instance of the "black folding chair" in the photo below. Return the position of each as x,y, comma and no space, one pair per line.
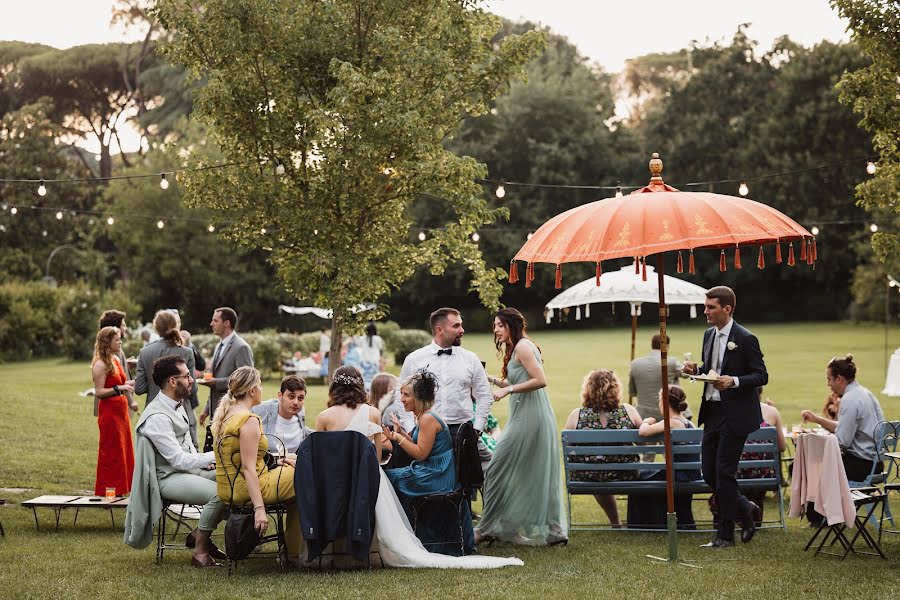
180,514
837,533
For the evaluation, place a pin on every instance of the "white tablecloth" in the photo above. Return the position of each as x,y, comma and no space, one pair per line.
892,382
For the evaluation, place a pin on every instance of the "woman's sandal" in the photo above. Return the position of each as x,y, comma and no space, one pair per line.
557,541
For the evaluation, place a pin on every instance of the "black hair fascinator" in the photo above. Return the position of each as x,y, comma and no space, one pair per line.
425,385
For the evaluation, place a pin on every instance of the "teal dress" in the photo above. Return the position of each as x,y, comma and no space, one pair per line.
434,475
523,485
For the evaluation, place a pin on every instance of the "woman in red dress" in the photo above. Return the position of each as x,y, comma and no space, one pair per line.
115,460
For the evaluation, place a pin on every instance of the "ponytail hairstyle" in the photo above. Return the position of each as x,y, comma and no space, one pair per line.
240,384
423,385
347,388
167,324
677,399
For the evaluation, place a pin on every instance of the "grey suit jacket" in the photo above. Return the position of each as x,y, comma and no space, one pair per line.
143,381
645,381
236,354
268,414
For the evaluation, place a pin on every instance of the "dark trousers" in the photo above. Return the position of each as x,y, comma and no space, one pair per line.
857,469
720,454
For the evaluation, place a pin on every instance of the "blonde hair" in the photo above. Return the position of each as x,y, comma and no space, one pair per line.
102,350
601,390
422,387
167,325
241,382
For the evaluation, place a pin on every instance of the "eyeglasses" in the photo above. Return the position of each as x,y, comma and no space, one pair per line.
188,375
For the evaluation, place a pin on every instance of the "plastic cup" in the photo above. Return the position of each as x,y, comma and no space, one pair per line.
207,375
110,494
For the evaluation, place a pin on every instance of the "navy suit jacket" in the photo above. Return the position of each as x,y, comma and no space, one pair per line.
740,406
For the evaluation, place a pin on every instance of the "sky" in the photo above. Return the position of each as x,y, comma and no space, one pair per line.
606,31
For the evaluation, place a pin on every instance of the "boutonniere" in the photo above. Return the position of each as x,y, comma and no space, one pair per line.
731,345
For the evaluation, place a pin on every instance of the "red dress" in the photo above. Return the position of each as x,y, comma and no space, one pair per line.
115,459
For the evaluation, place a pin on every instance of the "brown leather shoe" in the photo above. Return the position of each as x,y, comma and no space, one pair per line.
204,561
191,540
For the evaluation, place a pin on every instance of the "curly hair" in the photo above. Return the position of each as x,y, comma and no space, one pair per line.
347,388
518,329
601,390
102,350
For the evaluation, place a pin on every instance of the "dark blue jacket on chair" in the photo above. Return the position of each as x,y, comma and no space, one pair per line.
336,480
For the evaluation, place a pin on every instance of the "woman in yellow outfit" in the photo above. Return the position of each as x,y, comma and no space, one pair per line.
240,459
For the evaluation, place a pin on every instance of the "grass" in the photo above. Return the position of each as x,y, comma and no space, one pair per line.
48,444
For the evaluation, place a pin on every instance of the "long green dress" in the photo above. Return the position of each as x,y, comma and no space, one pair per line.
523,486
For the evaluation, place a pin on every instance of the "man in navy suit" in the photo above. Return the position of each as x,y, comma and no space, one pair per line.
729,410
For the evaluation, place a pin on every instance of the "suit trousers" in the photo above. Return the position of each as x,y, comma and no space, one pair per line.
721,451
187,488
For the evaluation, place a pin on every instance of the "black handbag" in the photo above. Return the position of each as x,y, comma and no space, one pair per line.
241,536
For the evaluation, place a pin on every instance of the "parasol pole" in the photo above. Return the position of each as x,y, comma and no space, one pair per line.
671,526
634,316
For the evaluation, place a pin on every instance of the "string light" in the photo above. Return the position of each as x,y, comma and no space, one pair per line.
279,169
13,210
59,215
873,227
743,190
44,233
815,230
163,183
3,228
211,228
475,237
110,221
618,191
263,231
42,189
160,224
530,235
501,191
871,168
421,236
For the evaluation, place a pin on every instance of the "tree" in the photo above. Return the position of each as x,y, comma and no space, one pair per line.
872,91
335,113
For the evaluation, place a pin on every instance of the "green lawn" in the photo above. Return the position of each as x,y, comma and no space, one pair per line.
48,444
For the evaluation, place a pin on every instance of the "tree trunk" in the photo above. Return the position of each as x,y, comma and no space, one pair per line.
105,160
334,354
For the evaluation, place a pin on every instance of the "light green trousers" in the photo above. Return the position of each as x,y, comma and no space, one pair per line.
186,488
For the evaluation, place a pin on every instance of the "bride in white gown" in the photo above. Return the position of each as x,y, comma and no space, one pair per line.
398,544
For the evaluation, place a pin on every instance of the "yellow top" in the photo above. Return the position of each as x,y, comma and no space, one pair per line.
228,458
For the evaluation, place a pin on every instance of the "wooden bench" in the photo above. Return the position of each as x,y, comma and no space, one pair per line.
627,442
60,503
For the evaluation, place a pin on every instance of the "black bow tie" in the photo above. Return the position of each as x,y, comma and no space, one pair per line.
447,351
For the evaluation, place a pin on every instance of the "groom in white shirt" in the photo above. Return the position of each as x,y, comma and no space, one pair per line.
460,374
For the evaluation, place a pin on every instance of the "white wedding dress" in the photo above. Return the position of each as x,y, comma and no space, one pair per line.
398,544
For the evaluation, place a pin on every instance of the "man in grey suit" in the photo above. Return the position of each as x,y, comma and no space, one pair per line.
284,418
645,379
167,324
231,352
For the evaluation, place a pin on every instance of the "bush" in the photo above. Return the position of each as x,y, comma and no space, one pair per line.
78,310
406,341
29,321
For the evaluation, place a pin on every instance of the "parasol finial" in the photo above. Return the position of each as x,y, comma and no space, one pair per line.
656,167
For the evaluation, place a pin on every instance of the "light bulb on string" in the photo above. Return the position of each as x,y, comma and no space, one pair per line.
279,169
110,221
160,224
421,236
13,210
59,215
815,230
475,237
873,227
871,168
211,228
163,183
618,191
44,233
263,231
501,190
42,189
529,236
3,228
743,190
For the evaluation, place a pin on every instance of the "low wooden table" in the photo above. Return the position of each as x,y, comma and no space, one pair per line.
60,503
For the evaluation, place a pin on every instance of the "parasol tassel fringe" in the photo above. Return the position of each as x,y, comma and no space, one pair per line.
513,272
761,261
680,267
809,253
529,274
803,249
637,265
558,277
598,274
691,262
815,254
791,261
777,252
644,268
722,266
737,257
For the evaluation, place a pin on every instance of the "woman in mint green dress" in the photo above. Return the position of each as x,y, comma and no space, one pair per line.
522,484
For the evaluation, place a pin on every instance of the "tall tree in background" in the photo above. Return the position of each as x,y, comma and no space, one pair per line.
336,112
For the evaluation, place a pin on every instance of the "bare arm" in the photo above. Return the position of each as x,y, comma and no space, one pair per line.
633,414
572,421
524,353
808,415
651,427
428,430
249,437
98,374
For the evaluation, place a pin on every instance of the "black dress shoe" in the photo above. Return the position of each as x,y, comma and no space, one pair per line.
748,525
718,542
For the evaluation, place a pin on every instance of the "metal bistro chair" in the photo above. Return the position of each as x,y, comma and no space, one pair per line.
276,511
180,514
887,436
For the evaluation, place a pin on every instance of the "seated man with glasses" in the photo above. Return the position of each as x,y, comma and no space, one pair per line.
168,466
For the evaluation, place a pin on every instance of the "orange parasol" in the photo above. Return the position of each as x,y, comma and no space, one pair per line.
654,220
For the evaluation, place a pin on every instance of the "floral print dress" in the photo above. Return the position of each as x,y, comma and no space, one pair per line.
618,418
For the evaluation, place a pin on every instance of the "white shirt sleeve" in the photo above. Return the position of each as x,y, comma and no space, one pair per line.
407,420
158,429
481,391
